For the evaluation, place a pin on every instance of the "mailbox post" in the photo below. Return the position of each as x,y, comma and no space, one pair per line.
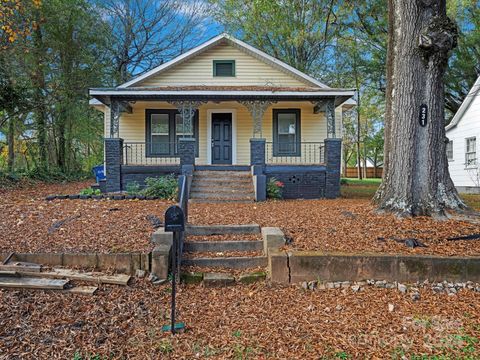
175,222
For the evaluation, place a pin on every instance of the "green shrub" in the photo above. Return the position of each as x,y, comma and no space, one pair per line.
163,187
274,188
133,188
90,191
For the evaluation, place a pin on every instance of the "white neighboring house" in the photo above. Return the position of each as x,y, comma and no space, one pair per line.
463,133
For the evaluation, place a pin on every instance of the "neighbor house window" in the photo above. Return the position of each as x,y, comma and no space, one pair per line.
286,132
450,150
224,68
164,129
470,151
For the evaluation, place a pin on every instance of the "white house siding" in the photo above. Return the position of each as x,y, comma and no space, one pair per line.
199,71
468,126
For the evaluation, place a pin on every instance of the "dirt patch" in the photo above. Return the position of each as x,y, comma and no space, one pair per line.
259,322
31,224
345,225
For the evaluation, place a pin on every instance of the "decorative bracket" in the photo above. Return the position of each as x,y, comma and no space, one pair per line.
328,106
116,108
257,109
187,110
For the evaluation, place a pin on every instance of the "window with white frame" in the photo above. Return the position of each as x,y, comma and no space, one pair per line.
471,151
450,150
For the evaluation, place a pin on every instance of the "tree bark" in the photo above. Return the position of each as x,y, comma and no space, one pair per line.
11,143
416,180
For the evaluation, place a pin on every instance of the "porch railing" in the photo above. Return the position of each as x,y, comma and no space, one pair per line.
141,153
298,153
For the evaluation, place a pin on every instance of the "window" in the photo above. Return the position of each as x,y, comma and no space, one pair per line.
286,132
224,68
164,129
470,151
450,150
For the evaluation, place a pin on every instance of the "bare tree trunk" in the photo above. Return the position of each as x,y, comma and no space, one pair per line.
11,144
416,180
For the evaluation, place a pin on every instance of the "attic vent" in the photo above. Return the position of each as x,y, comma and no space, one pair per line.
223,67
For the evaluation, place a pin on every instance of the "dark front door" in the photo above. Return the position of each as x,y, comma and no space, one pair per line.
221,138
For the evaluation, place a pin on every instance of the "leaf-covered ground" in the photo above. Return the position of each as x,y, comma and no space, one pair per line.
31,224
241,322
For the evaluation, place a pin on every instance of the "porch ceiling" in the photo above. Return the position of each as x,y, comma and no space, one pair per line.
221,93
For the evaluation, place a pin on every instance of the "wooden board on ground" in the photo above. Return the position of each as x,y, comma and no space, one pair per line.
8,273
21,266
56,273
32,283
83,290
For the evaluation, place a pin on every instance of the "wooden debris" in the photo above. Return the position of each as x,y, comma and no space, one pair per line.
57,273
32,283
466,237
21,267
7,259
8,273
82,290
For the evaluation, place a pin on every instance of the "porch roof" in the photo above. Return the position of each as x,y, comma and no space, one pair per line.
221,93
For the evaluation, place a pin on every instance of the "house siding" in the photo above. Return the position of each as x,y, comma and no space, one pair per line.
313,126
467,127
248,71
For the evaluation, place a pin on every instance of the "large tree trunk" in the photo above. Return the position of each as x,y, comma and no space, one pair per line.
416,180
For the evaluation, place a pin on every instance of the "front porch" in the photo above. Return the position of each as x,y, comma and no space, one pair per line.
292,136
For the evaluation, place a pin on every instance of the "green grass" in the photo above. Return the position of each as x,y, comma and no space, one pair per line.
366,188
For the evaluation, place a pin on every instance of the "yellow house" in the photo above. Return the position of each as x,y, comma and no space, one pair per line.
224,106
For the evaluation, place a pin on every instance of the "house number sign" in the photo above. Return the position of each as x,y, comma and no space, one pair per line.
423,115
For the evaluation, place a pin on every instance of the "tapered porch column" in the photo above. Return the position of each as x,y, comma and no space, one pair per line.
257,109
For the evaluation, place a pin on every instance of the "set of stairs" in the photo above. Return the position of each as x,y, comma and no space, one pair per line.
222,185
221,246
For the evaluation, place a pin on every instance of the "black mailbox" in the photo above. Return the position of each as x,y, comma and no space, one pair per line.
174,219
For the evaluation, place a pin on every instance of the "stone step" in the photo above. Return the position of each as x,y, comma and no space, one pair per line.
225,194
227,262
206,230
222,168
222,177
219,246
234,183
229,174
220,201
219,187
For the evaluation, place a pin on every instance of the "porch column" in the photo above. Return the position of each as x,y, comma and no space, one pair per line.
330,115
186,150
113,163
187,111
257,109
116,108
327,105
114,118
333,157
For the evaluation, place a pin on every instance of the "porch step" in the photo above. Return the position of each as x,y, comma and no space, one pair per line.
222,186
237,262
207,230
220,201
220,246
222,168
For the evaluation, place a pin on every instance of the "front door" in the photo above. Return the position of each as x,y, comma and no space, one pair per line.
221,138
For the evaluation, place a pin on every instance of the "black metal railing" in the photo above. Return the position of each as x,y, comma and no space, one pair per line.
303,153
141,153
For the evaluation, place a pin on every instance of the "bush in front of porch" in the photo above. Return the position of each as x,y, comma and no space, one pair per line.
275,188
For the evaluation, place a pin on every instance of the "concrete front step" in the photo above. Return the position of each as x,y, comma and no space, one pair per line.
220,201
219,246
219,188
206,230
228,174
228,262
222,195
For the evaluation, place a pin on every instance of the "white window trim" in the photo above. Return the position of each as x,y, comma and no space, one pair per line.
470,166
209,133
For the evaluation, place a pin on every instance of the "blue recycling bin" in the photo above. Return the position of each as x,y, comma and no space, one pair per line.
99,172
